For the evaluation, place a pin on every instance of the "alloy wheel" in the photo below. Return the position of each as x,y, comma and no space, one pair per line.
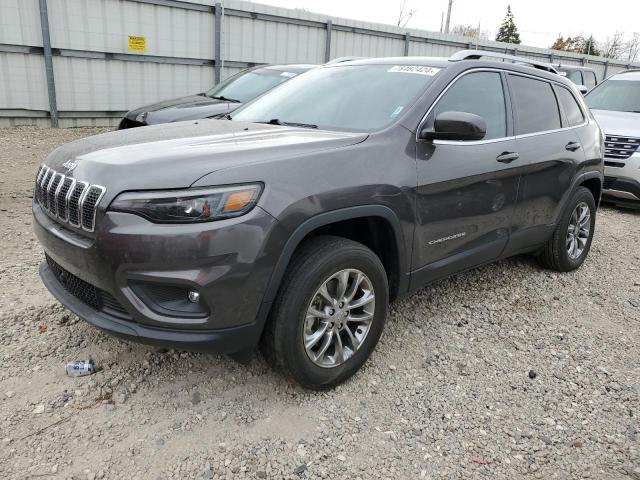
339,318
579,230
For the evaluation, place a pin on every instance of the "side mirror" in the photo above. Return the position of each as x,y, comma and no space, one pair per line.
455,126
583,90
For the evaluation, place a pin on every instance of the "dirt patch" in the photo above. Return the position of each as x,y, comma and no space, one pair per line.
449,391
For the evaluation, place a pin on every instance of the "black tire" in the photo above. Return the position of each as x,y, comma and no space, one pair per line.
555,255
314,262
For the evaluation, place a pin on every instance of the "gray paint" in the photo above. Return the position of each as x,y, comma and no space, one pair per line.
422,192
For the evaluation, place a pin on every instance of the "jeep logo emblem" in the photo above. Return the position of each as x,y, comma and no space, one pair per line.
70,165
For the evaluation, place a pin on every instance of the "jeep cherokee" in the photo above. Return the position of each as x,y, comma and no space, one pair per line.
293,224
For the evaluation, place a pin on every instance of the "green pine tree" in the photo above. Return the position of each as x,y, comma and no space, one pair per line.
508,32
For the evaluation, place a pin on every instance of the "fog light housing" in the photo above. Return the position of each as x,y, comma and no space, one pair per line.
170,300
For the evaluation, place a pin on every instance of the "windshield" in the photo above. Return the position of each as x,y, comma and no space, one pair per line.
347,97
248,85
620,94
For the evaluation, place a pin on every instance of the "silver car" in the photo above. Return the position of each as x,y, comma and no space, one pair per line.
616,105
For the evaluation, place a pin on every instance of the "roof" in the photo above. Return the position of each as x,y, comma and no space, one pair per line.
565,68
628,75
294,67
427,61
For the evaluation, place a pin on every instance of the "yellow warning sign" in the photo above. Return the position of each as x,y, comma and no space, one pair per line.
137,44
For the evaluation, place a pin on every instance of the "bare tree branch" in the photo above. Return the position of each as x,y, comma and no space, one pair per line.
632,48
405,14
614,46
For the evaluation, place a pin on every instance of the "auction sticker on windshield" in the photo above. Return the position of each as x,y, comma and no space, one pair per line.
419,69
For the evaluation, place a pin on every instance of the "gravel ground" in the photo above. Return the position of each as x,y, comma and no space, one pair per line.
507,371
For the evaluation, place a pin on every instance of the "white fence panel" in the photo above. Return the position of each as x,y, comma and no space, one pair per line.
97,76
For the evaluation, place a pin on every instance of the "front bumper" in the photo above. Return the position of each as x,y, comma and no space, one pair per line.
228,262
622,183
228,340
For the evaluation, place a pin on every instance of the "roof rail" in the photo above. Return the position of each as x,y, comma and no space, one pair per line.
477,54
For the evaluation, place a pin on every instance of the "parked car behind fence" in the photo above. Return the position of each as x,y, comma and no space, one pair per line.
222,99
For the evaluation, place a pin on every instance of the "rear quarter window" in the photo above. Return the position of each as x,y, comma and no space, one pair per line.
589,79
575,76
570,106
535,104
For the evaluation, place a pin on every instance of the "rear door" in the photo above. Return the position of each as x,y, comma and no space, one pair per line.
466,195
550,150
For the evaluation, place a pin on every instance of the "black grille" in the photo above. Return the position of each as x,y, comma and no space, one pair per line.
94,297
44,198
62,198
74,203
71,201
112,306
89,207
620,147
51,193
76,286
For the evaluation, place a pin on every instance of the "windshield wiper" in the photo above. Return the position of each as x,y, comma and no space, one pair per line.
276,121
223,98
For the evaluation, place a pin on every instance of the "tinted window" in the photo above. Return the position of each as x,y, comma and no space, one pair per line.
343,97
479,93
246,86
575,77
589,79
535,104
620,93
570,106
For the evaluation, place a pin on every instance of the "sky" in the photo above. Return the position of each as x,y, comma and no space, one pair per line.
539,21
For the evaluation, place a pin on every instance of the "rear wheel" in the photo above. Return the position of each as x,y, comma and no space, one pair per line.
570,244
329,313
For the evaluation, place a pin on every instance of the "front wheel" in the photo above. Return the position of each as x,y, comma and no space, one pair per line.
329,313
569,246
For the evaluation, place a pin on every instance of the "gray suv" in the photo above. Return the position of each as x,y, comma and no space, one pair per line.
615,103
295,223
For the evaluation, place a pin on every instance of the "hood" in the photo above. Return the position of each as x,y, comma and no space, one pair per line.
624,124
192,107
176,155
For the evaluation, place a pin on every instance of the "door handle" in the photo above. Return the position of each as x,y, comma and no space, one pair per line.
507,157
572,146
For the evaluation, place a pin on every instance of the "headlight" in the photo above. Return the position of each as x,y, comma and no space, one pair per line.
191,205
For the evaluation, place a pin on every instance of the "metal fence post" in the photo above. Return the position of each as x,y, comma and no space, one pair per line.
407,42
48,63
606,69
217,50
327,48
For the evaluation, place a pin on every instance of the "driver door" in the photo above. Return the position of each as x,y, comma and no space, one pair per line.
467,190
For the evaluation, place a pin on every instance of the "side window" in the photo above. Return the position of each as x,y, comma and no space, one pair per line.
535,105
481,94
572,110
589,79
575,77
